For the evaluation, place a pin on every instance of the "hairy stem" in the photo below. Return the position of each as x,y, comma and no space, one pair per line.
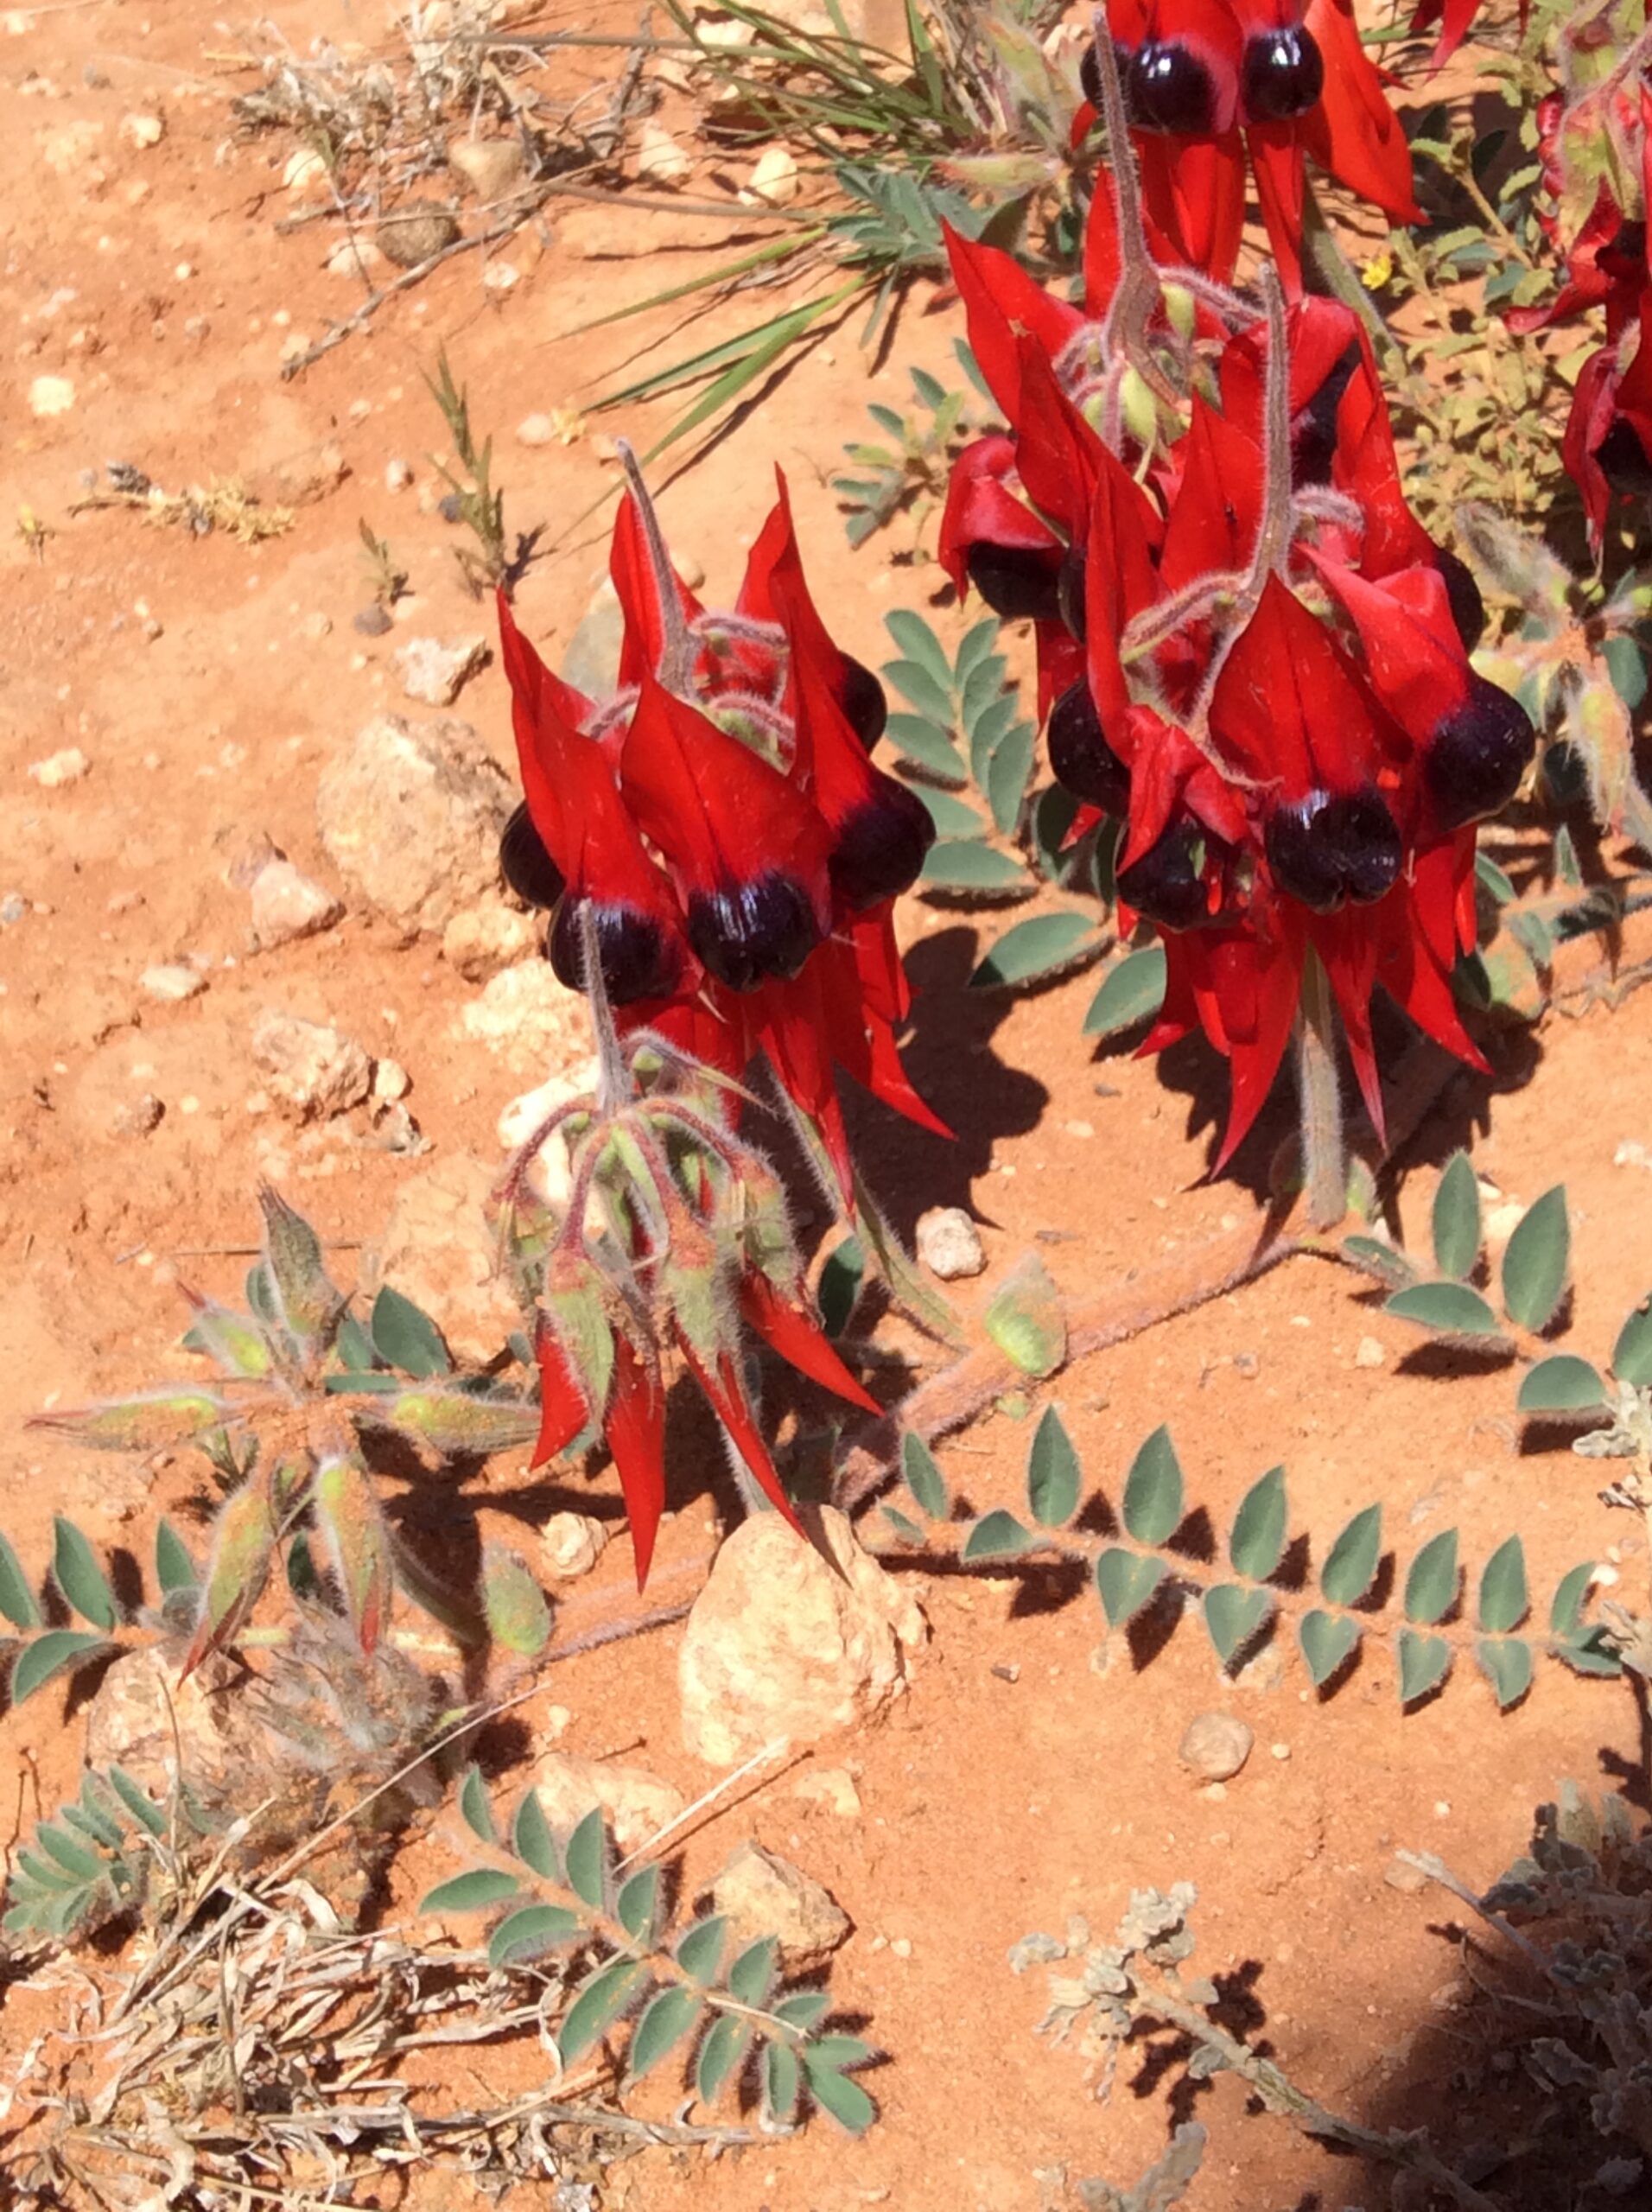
1324,1157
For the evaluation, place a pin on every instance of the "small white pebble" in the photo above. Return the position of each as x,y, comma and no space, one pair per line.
173,982
1442,1809
398,476
57,769
902,1947
1281,1751
1079,1129
1370,1353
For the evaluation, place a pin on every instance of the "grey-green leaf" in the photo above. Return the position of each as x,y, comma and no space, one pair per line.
1326,1640
78,1575
598,2006
49,1654
1535,1265
471,1891
531,1932
636,1905
667,2017
1504,1598
752,1976
532,1841
1506,1662
1563,1383
138,1802
1152,1492
781,2079
1430,1586
841,2100
1257,1543
914,637
996,1535
1457,1218
586,1859
407,1337
1352,1567
1448,1309
927,748
721,2054
1041,946
923,1478
1132,990
1025,1319
175,1570
1632,1354
699,1951
1425,1662
966,865
1234,1615
1124,1583
473,1808
18,1600
919,686
1053,1475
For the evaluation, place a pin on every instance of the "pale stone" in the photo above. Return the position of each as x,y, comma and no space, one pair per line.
949,1244
440,1250
51,396
527,1017
535,430
141,131
315,1070
761,1894
479,940
550,1177
173,982
1216,1746
775,180
491,167
60,768
660,159
831,1786
1369,1353
784,1642
434,673
570,1545
410,815
288,904
130,1721
390,1080
354,258
638,1803
305,171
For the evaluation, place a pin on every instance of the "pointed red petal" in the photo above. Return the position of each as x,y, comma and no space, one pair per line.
564,1409
1353,133
643,638
1193,193
635,1427
983,510
1276,163
1289,707
999,299
787,1329
729,1403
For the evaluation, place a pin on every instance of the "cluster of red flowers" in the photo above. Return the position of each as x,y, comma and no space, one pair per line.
1607,131
1251,652
722,817
1209,84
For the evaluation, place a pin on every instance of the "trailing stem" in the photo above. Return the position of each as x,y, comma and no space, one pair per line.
1325,1159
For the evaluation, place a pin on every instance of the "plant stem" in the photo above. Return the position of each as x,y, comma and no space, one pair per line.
1324,1155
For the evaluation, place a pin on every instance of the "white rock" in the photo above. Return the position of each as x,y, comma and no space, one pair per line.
173,982
288,904
775,180
398,475
831,1786
145,1719
51,396
501,276
550,1177
783,1642
141,131
1369,1353
1216,1746
479,940
660,159
570,1545
59,768
490,166
315,1070
357,258
305,171
439,1249
410,815
535,430
527,1017
761,1894
434,673
638,1803
949,1244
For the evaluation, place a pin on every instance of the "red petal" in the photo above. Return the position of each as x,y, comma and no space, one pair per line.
1413,653
982,510
1353,133
563,1408
1000,299
788,1330
1217,511
1289,706
1276,163
729,1403
1193,195
644,639
1120,578
635,1427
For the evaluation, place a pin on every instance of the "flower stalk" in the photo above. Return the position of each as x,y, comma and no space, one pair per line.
1324,1162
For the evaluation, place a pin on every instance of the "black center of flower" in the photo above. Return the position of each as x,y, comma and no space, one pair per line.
1168,883
746,933
862,700
1168,88
1624,460
1017,584
880,846
1282,75
1474,766
1463,594
1080,757
1328,848
524,863
638,960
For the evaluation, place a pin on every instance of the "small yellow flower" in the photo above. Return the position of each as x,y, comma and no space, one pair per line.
1378,270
